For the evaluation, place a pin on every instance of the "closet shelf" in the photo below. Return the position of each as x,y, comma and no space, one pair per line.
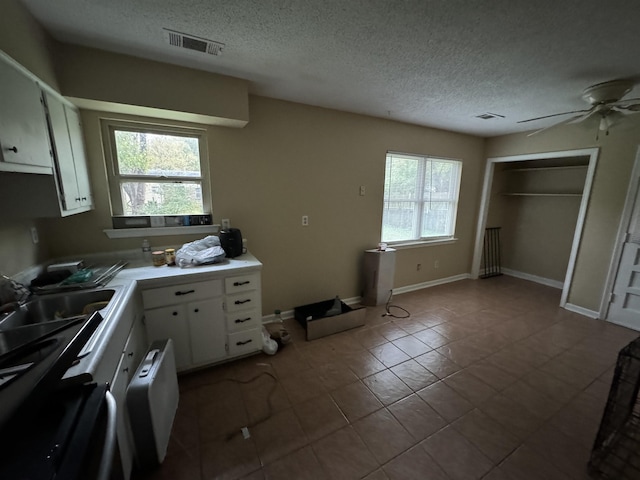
523,194
537,169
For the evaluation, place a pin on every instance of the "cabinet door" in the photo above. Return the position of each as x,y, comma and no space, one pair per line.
79,156
23,127
171,322
65,168
207,330
119,389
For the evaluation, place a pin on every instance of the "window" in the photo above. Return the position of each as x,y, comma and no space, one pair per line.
420,198
156,170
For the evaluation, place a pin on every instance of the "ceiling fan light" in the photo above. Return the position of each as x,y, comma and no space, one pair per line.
606,122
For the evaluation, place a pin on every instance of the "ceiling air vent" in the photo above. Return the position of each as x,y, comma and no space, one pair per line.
191,42
488,115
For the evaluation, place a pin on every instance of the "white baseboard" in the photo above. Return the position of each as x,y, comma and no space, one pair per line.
533,278
582,311
431,283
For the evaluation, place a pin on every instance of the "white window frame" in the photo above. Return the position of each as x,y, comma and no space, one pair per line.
114,177
419,200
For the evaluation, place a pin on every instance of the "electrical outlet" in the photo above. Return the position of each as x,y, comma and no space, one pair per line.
34,235
436,264
305,220
363,190
226,224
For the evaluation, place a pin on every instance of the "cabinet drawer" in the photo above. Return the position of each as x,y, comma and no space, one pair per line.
243,342
242,301
159,297
243,320
242,283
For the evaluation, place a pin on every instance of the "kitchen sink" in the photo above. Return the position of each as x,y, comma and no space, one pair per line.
55,307
13,338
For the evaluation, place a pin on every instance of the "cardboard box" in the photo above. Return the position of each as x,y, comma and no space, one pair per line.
317,325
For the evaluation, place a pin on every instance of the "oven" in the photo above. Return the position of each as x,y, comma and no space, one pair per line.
50,429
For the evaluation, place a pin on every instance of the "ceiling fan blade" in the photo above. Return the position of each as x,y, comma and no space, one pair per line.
631,108
554,115
563,122
624,101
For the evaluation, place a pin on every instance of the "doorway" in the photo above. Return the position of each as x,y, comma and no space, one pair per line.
622,306
540,159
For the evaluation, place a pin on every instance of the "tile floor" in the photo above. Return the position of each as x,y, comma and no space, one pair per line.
486,379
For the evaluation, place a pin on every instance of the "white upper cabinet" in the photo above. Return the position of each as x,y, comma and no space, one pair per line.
23,128
70,160
40,133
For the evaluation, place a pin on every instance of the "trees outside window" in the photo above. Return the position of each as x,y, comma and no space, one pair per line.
156,172
420,197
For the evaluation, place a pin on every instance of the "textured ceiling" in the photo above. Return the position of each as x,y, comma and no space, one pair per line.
437,63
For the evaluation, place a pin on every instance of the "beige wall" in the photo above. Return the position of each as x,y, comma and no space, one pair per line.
293,160
96,79
23,39
617,154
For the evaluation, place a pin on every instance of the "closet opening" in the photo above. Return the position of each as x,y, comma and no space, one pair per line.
539,201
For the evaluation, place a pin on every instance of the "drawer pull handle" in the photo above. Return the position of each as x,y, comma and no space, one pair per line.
175,313
242,320
13,149
240,302
130,354
244,343
186,292
196,310
239,284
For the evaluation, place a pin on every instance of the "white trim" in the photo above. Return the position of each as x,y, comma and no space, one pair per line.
631,325
431,283
632,191
422,243
533,278
482,219
592,153
581,310
577,236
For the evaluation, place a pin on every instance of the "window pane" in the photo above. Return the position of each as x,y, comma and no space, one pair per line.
161,198
140,153
440,180
436,219
401,178
420,197
398,221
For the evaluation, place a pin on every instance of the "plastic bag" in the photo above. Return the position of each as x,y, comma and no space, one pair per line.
200,252
269,346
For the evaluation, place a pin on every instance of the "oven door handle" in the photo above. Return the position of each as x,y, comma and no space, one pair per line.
110,438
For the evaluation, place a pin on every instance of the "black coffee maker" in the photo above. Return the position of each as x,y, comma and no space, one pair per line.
231,242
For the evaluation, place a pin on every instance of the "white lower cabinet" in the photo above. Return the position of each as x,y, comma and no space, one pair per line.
131,357
209,321
171,322
207,336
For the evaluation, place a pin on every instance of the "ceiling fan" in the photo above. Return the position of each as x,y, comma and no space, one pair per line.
606,103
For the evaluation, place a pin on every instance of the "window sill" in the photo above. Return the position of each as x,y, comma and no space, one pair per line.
160,231
422,243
